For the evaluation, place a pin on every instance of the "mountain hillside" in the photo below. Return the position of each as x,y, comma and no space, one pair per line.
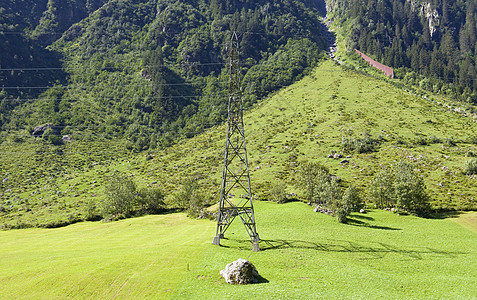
148,71
430,43
47,185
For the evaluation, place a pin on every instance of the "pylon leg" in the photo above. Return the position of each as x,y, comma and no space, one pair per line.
216,240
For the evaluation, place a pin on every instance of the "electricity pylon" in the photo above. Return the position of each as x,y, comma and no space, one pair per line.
235,191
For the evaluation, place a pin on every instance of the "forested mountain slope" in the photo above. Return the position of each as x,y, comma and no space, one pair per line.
431,42
147,70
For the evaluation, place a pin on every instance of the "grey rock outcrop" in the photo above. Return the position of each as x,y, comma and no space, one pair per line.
40,129
240,271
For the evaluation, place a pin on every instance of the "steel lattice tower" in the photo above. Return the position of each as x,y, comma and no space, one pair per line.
235,191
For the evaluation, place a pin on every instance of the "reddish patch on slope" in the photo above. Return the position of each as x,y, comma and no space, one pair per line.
388,71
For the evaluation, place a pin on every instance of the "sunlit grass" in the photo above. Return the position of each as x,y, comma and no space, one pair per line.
139,258
306,255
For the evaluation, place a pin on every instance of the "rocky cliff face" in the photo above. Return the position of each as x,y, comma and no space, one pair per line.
432,16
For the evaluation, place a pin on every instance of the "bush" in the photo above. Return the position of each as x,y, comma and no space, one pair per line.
278,192
120,193
434,140
314,178
91,212
349,201
471,167
381,189
401,188
323,189
366,144
352,199
189,198
450,142
55,140
151,200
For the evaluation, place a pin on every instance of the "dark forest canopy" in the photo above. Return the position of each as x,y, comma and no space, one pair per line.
435,39
147,69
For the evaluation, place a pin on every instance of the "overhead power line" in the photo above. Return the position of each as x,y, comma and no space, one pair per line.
93,86
110,68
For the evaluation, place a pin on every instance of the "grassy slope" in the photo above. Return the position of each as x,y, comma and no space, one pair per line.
143,257
308,120
305,256
305,121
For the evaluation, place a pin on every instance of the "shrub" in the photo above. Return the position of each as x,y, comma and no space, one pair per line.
471,167
55,140
421,140
91,211
120,193
401,188
278,192
349,201
434,140
189,198
323,189
366,144
381,189
151,200
313,178
352,199
450,142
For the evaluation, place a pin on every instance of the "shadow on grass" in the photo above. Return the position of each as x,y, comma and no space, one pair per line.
439,215
262,279
375,250
361,216
354,222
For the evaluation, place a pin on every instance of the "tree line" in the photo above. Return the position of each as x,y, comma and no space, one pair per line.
432,39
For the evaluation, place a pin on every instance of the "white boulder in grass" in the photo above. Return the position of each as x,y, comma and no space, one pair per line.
240,271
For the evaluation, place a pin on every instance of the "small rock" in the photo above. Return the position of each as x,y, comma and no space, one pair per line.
362,211
40,129
240,271
337,155
344,161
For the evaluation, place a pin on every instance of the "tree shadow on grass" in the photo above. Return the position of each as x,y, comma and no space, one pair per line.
354,222
439,215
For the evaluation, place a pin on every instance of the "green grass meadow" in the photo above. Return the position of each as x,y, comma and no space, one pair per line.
138,258
305,255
